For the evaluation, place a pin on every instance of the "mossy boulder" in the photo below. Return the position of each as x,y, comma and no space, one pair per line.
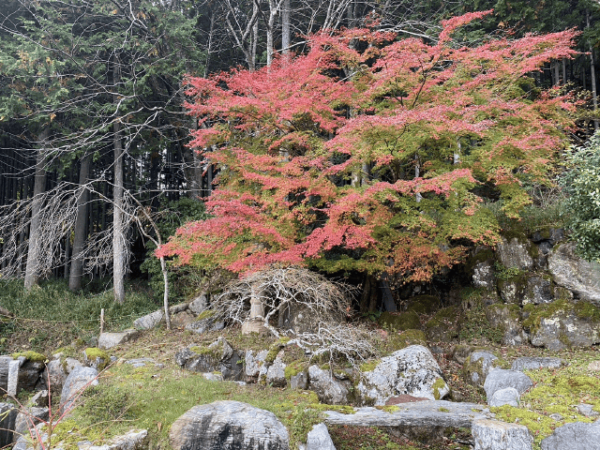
477,366
515,251
217,357
562,324
445,325
96,358
506,319
424,304
400,322
398,341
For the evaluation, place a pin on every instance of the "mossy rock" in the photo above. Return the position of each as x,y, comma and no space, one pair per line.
294,368
99,358
445,325
30,355
400,322
398,341
275,348
424,304
206,314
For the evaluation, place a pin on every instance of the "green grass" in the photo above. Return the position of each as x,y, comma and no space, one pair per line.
66,316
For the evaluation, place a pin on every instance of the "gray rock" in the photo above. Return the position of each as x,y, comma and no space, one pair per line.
149,320
56,374
5,361
255,365
426,414
318,438
563,329
514,253
199,304
508,396
574,436
495,435
477,367
70,364
140,362
500,379
40,399
329,389
132,440
484,275
228,425
511,291
556,417
535,363
587,410
77,381
212,376
276,374
110,340
26,418
299,381
539,290
412,370
8,416
30,375
217,357
200,326
574,273
507,318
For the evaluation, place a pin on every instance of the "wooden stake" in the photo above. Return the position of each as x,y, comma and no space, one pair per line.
102,321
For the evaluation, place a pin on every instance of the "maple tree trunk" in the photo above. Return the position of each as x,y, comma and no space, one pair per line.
368,300
81,227
35,239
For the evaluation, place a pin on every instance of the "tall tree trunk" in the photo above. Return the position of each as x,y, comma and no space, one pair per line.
81,227
286,28
35,238
119,245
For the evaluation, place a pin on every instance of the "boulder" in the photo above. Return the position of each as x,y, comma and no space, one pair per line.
255,365
574,273
217,357
26,417
228,425
484,275
328,388
96,358
562,324
500,379
206,321
477,366
535,363
77,381
110,340
8,417
413,371
276,374
508,396
507,318
299,381
318,438
424,415
512,290
40,399
149,320
574,436
587,410
30,375
495,435
132,440
399,321
199,304
444,326
515,252
540,289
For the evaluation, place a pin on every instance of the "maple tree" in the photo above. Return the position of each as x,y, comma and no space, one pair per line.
373,154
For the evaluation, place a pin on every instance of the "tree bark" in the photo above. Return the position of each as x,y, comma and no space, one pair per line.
119,246
285,27
32,275
81,227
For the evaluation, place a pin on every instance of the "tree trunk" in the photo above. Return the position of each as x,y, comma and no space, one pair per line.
81,227
593,75
35,238
285,27
119,245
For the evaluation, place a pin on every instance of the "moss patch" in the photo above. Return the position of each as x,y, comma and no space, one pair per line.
206,314
400,322
294,368
424,304
437,386
30,356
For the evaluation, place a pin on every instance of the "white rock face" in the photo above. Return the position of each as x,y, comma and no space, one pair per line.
495,435
412,370
508,396
514,253
228,425
319,439
501,379
110,340
574,273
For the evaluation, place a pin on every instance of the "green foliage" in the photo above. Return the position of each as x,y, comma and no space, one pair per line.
182,280
581,182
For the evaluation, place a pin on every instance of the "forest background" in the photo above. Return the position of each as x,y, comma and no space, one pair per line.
96,170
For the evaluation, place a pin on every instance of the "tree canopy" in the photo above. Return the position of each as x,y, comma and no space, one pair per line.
374,154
